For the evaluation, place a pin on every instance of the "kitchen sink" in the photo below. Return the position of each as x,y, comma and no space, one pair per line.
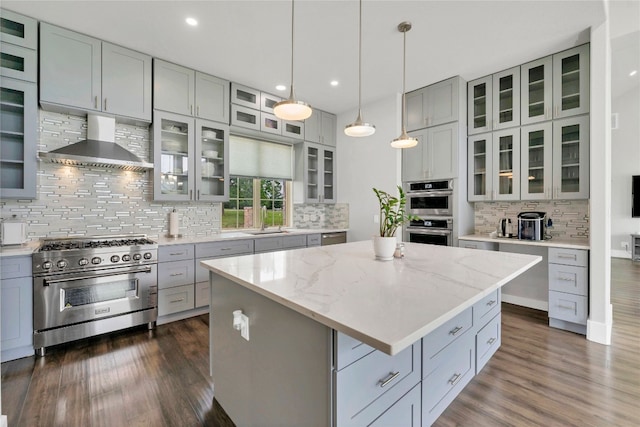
232,234
260,232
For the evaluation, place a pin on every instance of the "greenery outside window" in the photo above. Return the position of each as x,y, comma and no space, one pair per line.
245,194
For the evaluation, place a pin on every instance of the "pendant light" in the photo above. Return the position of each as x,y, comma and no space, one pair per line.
292,109
404,140
359,128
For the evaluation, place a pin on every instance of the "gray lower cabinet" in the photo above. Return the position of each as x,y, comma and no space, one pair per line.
271,244
176,274
16,296
80,74
472,244
569,289
405,412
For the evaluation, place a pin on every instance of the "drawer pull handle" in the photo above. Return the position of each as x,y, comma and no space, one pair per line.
176,274
392,376
567,279
491,341
176,300
225,249
490,303
176,253
455,330
568,256
454,379
566,307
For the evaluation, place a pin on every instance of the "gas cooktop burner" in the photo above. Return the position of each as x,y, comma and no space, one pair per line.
94,242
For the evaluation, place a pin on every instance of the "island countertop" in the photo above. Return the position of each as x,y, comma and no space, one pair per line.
388,305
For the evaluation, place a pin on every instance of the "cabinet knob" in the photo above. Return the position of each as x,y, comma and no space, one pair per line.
197,110
105,104
95,102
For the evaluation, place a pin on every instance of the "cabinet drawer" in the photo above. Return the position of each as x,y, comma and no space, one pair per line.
486,308
174,300
405,412
367,388
348,350
568,278
290,242
245,96
569,307
314,240
19,62
437,340
488,341
175,252
222,249
12,267
245,117
175,273
452,370
577,257
472,244
202,294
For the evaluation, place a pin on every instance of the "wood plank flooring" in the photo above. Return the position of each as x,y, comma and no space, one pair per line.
539,377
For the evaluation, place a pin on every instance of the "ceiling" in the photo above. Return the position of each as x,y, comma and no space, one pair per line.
249,41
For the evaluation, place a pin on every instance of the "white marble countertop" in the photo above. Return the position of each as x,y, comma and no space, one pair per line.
386,304
567,243
16,250
240,235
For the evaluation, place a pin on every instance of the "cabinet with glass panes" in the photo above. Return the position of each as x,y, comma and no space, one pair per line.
190,157
571,158
536,162
316,181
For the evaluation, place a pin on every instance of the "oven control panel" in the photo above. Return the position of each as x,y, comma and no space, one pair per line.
63,261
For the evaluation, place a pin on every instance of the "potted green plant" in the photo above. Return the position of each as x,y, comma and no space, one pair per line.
392,216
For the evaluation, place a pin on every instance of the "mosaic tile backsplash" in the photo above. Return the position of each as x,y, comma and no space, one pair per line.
83,201
570,217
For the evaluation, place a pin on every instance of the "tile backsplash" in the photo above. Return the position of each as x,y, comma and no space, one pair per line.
570,217
84,201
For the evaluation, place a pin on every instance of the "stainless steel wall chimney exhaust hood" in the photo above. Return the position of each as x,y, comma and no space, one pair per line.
99,149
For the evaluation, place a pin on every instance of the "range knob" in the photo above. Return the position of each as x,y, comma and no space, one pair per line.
46,265
147,255
83,261
61,264
137,257
115,258
126,258
96,260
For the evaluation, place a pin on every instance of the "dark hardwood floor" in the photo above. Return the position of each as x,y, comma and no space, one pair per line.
539,377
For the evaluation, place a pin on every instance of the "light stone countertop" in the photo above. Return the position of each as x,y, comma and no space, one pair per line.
567,243
240,235
388,305
27,248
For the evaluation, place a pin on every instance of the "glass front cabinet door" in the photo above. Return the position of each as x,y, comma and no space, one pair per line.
211,169
329,176
480,105
480,164
536,91
173,157
506,164
571,158
571,82
506,99
536,170
320,177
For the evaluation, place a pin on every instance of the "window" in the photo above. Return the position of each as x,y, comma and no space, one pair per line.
247,193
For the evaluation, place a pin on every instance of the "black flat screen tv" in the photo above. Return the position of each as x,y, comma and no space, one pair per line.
635,196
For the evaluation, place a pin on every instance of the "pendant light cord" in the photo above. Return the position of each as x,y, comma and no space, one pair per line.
291,96
360,62
404,77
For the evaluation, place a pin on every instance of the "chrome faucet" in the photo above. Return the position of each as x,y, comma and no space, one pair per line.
263,217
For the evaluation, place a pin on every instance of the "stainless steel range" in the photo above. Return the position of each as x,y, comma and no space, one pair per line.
92,285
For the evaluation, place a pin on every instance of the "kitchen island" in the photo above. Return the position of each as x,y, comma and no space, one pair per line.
338,338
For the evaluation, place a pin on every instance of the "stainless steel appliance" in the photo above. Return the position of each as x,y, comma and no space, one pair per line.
430,198
333,238
94,285
532,225
505,227
434,231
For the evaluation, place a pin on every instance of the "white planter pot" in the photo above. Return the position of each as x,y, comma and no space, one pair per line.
384,247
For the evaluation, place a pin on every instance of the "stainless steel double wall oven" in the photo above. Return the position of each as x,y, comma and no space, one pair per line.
89,286
432,202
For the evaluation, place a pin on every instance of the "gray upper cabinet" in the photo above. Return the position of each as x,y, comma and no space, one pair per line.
433,105
173,88
212,98
188,92
571,158
80,74
435,156
480,105
536,91
571,82
18,29
506,99
321,128
18,62
246,97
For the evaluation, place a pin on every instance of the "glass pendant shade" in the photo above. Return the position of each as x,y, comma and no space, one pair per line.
292,109
359,128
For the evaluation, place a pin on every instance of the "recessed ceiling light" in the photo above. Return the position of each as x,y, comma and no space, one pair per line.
334,83
633,73
281,87
191,21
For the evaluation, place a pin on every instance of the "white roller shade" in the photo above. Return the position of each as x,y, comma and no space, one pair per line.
260,159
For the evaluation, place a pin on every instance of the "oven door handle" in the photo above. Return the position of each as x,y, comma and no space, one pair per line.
47,282
429,232
434,193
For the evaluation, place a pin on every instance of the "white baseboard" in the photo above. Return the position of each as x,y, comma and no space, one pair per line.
3,421
620,253
525,302
601,332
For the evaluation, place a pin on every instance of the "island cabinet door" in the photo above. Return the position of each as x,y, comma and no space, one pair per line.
369,387
405,412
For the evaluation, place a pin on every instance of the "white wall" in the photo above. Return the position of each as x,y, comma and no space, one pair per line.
368,162
625,158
